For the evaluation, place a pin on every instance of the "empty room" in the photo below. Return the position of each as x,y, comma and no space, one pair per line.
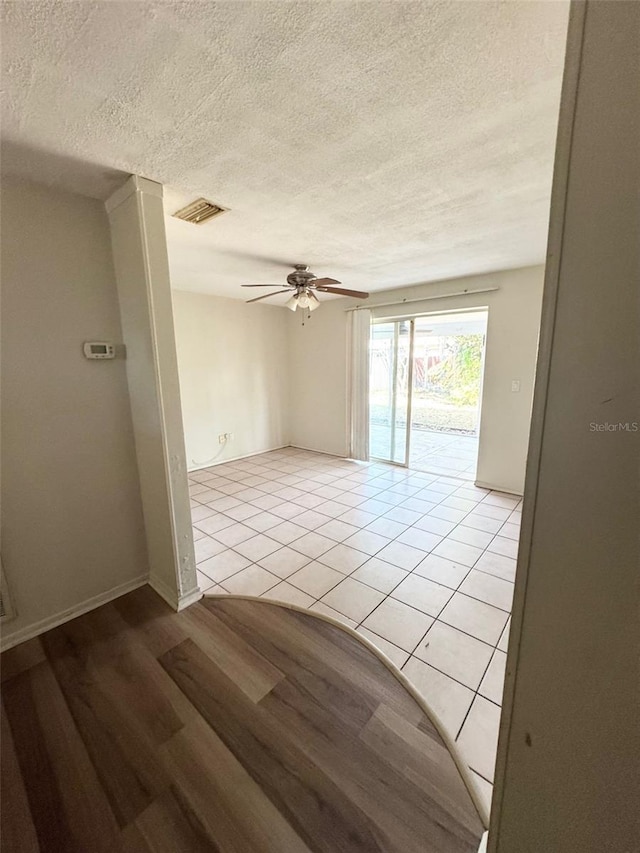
317,425
356,389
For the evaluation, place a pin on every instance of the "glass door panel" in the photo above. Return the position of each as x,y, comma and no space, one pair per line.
448,359
390,380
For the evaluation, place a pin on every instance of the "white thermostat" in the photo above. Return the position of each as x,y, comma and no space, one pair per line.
99,349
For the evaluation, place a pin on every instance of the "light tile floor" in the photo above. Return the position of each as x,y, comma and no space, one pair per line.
420,564
445,453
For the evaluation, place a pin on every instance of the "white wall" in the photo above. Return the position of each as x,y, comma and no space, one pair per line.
319,378
319,410
72,527
567,775
139,246
233,363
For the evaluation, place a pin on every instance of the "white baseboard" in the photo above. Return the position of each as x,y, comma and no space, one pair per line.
324,452
266,450
190,598
33,630
215,462
174,601
495,488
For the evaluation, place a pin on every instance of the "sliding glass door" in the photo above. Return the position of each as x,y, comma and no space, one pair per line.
390,382
425,380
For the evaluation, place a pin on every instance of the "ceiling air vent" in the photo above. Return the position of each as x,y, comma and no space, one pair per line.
199,211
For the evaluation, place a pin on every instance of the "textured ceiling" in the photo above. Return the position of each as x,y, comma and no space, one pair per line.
383,143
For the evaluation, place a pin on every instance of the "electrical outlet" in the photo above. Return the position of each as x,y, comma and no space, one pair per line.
229,436
222,438
515,385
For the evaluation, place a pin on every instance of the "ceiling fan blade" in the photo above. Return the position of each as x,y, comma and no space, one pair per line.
267,295
259,285
324,282
360,294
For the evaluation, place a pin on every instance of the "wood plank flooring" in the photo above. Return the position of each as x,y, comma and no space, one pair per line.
236,726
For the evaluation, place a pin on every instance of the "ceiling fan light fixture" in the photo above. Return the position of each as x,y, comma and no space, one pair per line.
303,285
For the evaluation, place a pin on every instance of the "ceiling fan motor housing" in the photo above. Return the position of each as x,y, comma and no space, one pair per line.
301,277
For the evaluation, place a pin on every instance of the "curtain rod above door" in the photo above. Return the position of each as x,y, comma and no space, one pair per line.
371,306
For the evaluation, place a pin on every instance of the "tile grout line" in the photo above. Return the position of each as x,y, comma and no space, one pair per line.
393,483
408,527
318,558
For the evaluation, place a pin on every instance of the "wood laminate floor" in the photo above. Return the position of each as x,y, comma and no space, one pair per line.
236,726
421,565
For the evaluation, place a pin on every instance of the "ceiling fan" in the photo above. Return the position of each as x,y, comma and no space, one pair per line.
304,283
